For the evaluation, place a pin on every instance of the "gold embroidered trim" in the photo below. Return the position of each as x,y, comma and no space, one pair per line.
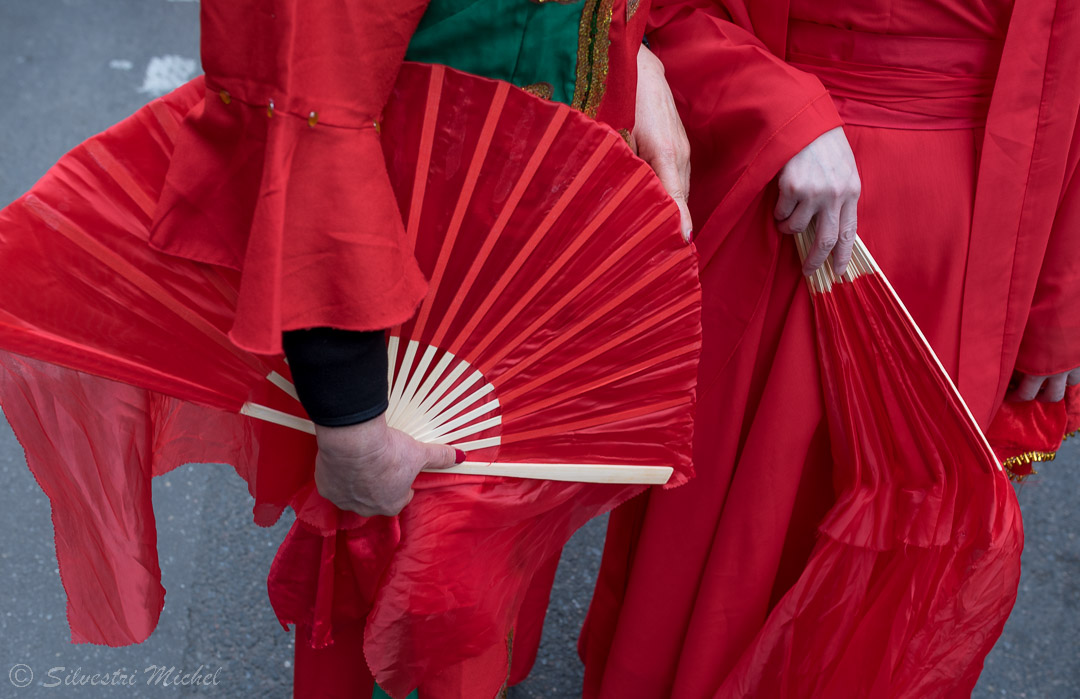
542,90
509,656
631,8
594,41
1013,463
625,133
1031,457
581,81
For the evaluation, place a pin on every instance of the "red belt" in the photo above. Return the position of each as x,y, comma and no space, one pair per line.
900,82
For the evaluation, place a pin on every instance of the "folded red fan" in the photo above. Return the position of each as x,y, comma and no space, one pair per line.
917,563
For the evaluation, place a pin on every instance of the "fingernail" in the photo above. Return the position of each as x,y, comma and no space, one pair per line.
459,456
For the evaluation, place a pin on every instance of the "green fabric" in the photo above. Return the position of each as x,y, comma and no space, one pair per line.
380,694
519,41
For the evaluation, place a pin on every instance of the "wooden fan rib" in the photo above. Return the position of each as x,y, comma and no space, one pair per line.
577,473
425,388
592,318
534,408
632,332
564,201
508,208
432,421
412,381
607,419
420,414
451,425
873,265
468,431
120,174
612,473
401,375
284,384
122,177
478,444
456,392
261,412
391,354
62,225
488,361
168,122
423,161
487,134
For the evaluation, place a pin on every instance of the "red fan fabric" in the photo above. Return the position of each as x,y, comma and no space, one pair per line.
134,373
735,555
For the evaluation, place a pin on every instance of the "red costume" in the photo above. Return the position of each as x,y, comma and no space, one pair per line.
272,173
962,118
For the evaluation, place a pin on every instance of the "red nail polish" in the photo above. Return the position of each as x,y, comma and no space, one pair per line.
459,456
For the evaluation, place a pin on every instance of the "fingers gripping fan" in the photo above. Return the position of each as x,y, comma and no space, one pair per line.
560,334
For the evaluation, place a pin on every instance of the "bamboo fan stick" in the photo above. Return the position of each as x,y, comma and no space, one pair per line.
863,263
509,206
487,361
578,473
565,198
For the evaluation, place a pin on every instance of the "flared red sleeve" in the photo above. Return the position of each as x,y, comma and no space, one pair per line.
279,172
745,110
1051,342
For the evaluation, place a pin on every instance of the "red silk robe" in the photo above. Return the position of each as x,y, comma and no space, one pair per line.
966,205
271,170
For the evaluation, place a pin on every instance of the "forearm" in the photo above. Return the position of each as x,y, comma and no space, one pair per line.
340,375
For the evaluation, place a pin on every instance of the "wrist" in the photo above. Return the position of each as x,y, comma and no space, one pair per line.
358,441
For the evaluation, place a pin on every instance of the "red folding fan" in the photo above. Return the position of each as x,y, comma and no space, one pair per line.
917,564
559,341
559,338
563,302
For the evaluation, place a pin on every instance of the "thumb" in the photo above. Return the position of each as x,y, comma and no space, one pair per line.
672,181
439,456
684,215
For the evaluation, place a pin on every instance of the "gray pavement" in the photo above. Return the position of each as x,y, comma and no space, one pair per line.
70,68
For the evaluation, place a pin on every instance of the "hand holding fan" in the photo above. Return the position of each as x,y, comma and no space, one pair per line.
562,328
562,298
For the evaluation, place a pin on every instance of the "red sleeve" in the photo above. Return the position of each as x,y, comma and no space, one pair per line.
279,172
745,110
1051,342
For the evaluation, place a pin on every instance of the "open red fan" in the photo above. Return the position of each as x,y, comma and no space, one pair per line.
917,565
562,297
561,332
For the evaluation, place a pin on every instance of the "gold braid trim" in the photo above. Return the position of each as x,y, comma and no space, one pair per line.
1031,457
631,8
581,81
594,41
542,90
1026,459
601,45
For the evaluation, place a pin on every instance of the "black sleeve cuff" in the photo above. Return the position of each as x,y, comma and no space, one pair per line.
340,375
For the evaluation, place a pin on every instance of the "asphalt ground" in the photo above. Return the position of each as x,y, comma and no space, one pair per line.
71,68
